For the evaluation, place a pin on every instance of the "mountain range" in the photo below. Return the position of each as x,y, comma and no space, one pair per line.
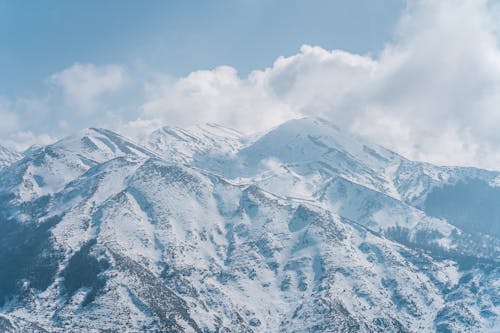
303,228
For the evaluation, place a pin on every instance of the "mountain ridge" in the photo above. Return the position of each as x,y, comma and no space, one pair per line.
8,156
301,229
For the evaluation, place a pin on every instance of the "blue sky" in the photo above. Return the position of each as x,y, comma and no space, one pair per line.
40,38
421,77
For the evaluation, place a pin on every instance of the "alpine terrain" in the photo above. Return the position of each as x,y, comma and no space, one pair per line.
304,228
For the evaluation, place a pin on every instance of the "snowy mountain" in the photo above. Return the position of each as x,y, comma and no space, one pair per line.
301,229
8,157
186,145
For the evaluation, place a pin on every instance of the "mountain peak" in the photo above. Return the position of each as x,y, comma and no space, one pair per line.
47,169
314,147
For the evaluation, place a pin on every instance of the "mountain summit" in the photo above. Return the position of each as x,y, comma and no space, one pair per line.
303,228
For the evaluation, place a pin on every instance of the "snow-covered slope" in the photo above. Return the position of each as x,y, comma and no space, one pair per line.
303,229
48,169
8,157
209,143
314,146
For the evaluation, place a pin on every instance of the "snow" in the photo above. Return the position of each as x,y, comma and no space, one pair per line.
286,231
7,157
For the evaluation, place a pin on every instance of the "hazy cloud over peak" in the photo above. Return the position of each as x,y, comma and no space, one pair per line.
433,93
83,84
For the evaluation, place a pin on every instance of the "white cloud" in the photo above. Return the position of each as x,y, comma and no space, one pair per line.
84,84
22,140
219,95
9,120
16,116
309,83
138,129
439,84
433,94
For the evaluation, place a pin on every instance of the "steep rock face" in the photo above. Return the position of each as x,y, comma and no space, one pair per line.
118,238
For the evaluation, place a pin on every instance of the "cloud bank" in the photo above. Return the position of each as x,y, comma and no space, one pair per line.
432,94
83,84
